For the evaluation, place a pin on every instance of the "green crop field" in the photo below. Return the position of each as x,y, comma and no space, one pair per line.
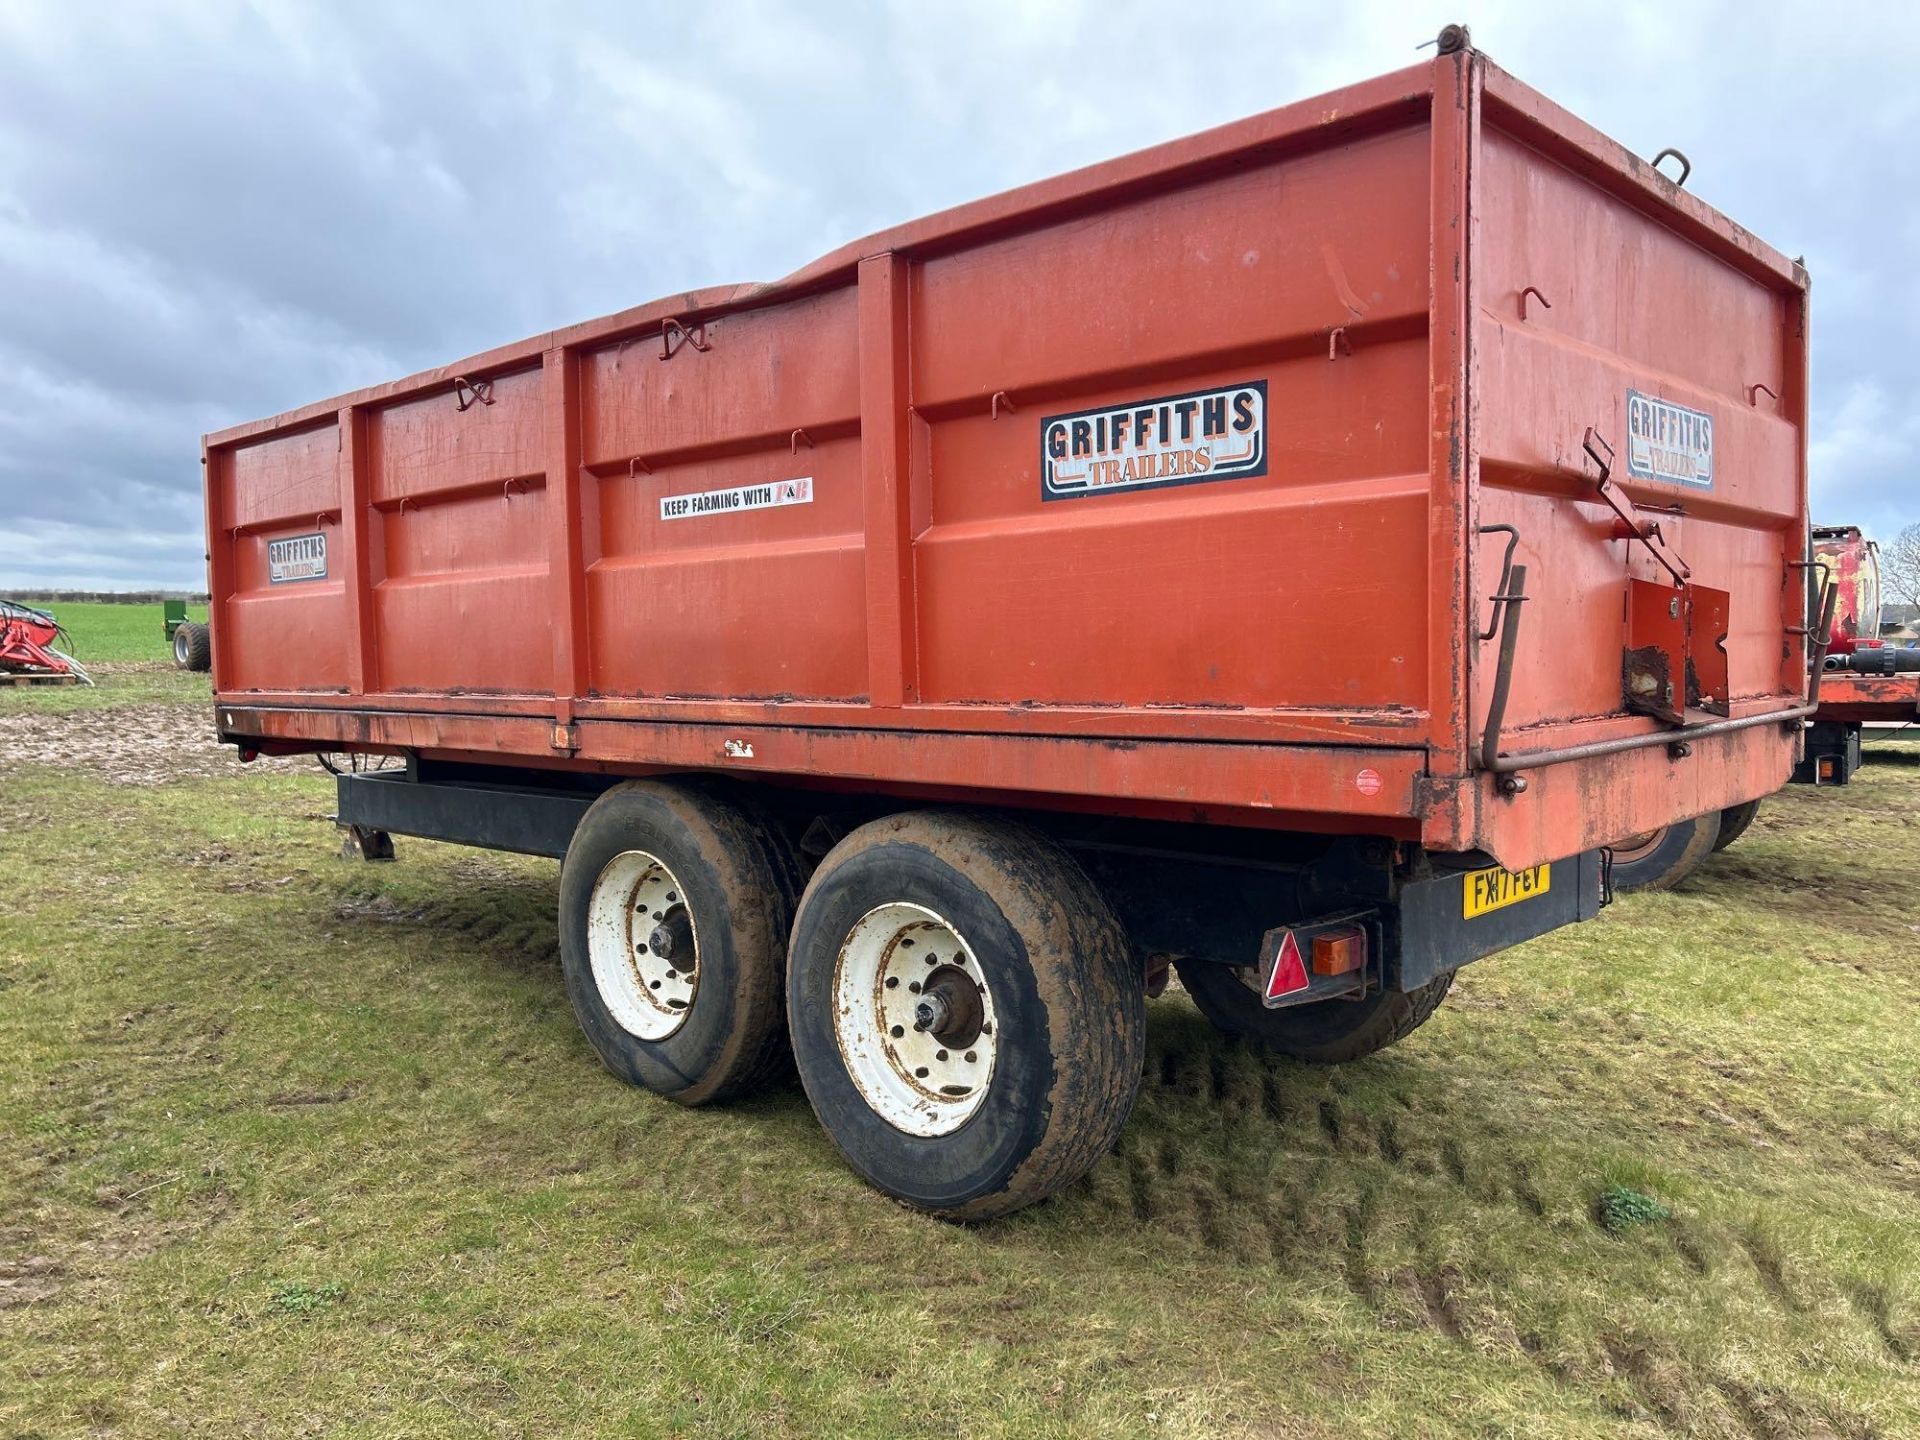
115,633
298,1145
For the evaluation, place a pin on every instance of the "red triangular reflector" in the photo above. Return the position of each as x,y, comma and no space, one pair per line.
1289,971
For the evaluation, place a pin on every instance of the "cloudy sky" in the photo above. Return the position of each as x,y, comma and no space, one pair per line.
216,210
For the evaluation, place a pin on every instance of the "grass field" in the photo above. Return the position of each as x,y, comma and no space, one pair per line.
296,1145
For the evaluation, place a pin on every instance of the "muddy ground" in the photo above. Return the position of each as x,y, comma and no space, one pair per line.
129,745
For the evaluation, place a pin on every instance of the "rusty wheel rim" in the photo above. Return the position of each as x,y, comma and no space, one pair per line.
913,1018
1638,847
643,945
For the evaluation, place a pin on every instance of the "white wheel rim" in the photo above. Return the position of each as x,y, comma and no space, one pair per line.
643,944
180,651
914,1019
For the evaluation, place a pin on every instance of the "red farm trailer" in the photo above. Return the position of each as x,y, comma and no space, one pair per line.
1293,554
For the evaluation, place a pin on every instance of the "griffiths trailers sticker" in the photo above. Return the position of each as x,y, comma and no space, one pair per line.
740,497
1668,442
1171,440
298,557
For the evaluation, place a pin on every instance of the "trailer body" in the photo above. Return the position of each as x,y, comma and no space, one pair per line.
1161,488
1293,554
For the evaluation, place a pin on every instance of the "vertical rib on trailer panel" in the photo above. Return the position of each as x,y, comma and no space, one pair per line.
885,460
1450,455
355,561
560,396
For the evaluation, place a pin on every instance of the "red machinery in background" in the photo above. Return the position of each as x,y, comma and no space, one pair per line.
30,650
1866,680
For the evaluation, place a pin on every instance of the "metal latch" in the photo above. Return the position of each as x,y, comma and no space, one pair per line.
1676,655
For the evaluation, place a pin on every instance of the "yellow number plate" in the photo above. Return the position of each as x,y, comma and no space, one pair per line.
1494,888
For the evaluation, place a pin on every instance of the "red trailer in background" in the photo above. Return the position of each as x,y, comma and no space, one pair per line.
1295,553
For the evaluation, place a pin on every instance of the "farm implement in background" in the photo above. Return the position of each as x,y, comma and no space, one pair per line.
30,652
191,641
1866,679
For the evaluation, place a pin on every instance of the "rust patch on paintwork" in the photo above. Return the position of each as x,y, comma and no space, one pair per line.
1646,679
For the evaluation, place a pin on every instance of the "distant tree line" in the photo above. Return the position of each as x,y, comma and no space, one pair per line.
103,597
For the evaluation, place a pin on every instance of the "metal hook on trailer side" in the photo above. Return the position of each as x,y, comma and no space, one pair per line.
1450,39
1502,595
673,335
466,392
1513,596
1822,636
1686,165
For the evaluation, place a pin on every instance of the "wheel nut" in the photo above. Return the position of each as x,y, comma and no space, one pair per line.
897,1031
972,1057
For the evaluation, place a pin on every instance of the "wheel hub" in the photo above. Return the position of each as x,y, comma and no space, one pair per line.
672,939
914,1019
951,1007
643,945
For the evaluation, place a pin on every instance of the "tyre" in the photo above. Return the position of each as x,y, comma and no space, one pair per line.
192,646
1327,1032
1734,821
1661,859
674,909
967,1016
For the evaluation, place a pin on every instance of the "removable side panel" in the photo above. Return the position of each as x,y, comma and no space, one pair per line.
1678,361
724,513
764,373
1300,588
1185,559
738,577
461,600
431,446
285,622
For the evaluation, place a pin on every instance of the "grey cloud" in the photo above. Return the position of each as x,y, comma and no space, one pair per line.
211,212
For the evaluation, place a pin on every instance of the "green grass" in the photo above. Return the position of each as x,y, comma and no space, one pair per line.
115,633
298,1145
125,649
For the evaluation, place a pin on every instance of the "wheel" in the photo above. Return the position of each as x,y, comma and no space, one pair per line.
192,646
1661,859
1326,1032
674,908
967,1017
1734,821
